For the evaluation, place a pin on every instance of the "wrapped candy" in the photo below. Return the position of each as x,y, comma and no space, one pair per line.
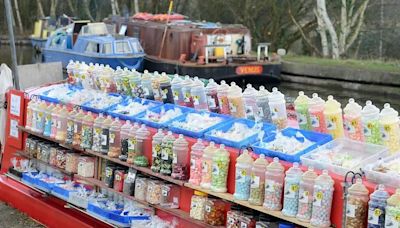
197,122
87,131
244,164
232,217
357,205
237,132
153,194
288,145
156,150
197,205
222,94
167,154
141,188
306,192
163,116
86,166
257,185
170,195
196,155
206,167
71,162
220,167
180,150
214,212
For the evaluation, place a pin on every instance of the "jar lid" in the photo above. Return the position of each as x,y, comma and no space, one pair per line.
199,193
302,99
358,188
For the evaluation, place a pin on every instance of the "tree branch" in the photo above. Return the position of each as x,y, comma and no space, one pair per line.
354,36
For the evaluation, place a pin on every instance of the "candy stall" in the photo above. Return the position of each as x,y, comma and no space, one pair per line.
119,148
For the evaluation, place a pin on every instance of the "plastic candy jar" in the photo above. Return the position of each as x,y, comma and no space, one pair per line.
393,210
29,113
153,194
257,186
130,156
71,162
62,125
141,187
86,166
119,176
166,154
264,221
87,131
212,96
377,205
322,200
47,119
61,158
77,127
250,104
54,118
196,155
40,117
303,115
165,89
176,87
247,220
333,118
220,167
370,123
142,135
105,135
222,93
235,99
214,212
125,129
197,205
170,195
243,166
316,108
232,217
206,167
277,105
187,85
306,192
180,151
357,205
70,127
291,195
114,139
198,94
389,121
155,86
156,150
146,85
352,121
274,178
263,112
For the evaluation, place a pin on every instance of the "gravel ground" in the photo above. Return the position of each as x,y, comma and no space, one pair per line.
12,218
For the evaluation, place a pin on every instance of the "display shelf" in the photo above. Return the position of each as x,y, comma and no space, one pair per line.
73,207
17,179
230,198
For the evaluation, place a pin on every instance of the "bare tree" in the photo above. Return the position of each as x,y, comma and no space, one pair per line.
21,30
71,7
87,10
40,8
114,7
53,8
136,5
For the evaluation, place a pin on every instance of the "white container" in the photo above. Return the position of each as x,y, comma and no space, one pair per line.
390,178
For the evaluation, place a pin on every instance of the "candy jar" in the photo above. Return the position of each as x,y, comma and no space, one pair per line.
131,153
40,117
291,193
196,155
263,112
306,191
357,205
393,210
54,119
29,113
222,93
125,129
156,146
257,186
274,178
146,85
316,110
301,107
220,167
389,121
115,139
250,104
370,123
247,220
105,135
187,85
47,122
70,127
322,200
77,127
232,217
165,88
352,121
97,124
235,99
277,105
180,151
118,73
214,212
198,93
377,205
134,83
153,194
206,165
141,187
62,125
212,96
170,195
243,166
176,87
155,86
197,205
142,135
333,118
166,154
87,131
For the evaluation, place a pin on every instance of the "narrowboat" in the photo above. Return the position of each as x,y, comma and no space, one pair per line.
91,42
174,44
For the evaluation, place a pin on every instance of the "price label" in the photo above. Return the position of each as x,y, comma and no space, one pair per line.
318,199
255,181
269,186
351,210
174,158
208,209
112,137
165,192
304,196
373,216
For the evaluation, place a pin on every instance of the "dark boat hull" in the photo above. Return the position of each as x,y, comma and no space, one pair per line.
267,72
38,43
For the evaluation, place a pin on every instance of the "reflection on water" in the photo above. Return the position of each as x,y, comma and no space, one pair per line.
26,55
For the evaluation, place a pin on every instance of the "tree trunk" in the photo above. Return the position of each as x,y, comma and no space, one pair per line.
113,10
53,8
21,29
322,33
71,7
321,7
381,31
40,8
87,10
343,27
136,3
117,7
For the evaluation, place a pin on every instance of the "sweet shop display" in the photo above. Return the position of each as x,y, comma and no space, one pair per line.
277,105
244,165
306,192
214,212
333,117
389,122
377,207
385,171
301,105
357,205
220,166
322,200
197,205
257,185
274,179
291,191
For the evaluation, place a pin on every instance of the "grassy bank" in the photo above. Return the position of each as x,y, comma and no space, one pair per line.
374,65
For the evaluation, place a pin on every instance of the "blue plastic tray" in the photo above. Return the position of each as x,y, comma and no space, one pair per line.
44,96
61,192
110,111
42,185
100,211
26,177
225,120
87,105
140,116
124,220
318,139
267,128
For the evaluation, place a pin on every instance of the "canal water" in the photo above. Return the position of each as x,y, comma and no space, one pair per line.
26,55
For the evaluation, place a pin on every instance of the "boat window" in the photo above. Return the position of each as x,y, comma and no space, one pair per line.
92,47
107,48
136,47
122,47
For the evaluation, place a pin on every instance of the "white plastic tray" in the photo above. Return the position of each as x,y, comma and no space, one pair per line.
391,179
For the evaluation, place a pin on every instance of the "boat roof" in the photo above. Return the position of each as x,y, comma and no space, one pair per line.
105,38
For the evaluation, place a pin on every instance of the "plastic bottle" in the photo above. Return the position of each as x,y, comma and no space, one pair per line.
165,88
263,112
176,87
257,186
125,129
77,127
333,118
316,110
87,131
29,114
196,155
156,146
222,93
142,135
277,105
250,102
393,210
146,85
306,191
54,119
274,178
187,85
134,83
126,75
235,99
198,94
357,205
61,134
70,127
212,96
105,135
47,122
166,154
155,86
376,207
370,123
206,167
291,193
303,115
115,139
97,126
180,151
220,167
244,163
118,73
40,117
389,122
352,121
322,200
130,156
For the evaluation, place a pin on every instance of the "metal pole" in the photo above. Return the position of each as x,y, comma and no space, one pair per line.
171,3
8,9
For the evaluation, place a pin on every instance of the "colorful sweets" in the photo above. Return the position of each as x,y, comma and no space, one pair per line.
316,110
212,96
303,115
370,123
377,205
306,192
235,99
156,150
244,164
333,118
250,104
357,205
220,167
263,112
352,121
389,121
166,154
322,200
197,205
180,151
196,155
291,193
277,105
222,93
206,167
274,178
393,210
257,185
214,212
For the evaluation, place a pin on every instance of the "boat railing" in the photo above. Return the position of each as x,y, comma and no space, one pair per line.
209,47
262,49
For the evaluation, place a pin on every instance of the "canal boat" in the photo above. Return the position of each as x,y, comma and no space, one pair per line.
174,44
91,42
